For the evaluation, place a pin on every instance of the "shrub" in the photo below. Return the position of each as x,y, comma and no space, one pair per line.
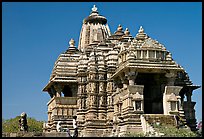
12,125
172,131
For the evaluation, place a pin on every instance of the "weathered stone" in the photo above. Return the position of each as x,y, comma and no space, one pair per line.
115,83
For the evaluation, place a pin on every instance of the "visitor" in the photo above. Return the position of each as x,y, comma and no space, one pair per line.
68,132
177,121
75,126
59,127
200,128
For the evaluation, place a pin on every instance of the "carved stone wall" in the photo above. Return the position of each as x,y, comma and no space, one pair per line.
110,80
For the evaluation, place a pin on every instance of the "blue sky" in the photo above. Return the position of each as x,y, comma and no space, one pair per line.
34,34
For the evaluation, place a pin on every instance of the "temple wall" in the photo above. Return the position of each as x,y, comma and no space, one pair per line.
170,99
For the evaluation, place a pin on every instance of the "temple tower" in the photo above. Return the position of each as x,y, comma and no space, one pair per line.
116,83
62,88
94,29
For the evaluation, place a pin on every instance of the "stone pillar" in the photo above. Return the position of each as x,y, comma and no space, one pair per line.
117,82
58,89
189,94
49,115
123,80
50,93
180,109
102,101
131,77
92,98
170,78
141,54
147,54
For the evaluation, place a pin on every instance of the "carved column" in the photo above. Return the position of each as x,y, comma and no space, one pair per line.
188,95
124,81
170,78
50,93
131,77
147,54
91,95
59,89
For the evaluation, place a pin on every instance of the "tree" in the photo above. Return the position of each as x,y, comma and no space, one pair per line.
12,125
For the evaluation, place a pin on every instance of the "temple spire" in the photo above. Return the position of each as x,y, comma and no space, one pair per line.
141,35
72,42
72,46
141,30
94,10
127,32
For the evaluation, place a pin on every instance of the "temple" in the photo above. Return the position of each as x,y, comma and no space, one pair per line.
117,83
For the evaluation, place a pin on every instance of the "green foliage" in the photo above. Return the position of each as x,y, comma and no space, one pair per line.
134,134
12,125
167,131
34,125
172,131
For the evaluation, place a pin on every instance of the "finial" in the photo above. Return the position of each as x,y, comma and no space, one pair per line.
127,32
72,42
94,9
141,30
120,28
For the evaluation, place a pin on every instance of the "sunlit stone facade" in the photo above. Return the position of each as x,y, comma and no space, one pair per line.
117,83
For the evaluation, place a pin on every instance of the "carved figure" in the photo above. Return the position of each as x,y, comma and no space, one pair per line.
23,122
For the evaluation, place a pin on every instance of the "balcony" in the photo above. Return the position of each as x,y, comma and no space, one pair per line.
63,101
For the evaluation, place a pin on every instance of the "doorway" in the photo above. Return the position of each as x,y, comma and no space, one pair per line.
153,92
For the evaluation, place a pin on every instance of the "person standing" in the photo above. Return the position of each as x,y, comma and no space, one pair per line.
68,132
75,126
59,127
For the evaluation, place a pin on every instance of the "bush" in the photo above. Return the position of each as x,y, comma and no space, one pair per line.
12,125
167,130
172,131
136,134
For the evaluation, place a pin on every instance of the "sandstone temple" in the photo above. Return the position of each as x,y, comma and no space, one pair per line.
117,83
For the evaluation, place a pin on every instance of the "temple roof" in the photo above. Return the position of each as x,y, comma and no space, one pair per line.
119,52
144,54
65,68
94,17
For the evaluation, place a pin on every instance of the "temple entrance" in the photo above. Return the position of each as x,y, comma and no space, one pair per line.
153,92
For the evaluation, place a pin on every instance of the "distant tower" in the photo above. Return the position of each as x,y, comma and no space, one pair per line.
94,29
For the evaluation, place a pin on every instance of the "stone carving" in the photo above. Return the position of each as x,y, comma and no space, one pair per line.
135,75
101,87
93,87
94,9
23,122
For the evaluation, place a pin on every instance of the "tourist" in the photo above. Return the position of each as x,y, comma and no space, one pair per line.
177,121
200,128
68,132
75,126
59,127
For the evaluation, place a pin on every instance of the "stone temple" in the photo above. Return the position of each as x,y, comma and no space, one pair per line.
117,83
